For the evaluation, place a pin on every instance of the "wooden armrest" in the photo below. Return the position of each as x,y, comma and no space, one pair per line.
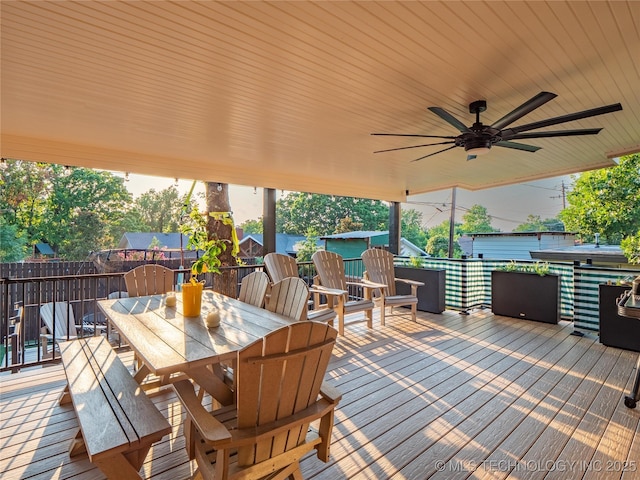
327,291
330,393
367,284
410,282
210,428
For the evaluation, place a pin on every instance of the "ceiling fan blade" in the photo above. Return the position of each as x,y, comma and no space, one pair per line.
448,137
564,118
517,146
555,133
435,153
450,119
527,107
413,146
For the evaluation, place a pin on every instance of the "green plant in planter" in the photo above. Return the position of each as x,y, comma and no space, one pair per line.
211,249
539,268
416,262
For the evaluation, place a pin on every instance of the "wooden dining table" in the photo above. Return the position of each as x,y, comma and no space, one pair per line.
170,345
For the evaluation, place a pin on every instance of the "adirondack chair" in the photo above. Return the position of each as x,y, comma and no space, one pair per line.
253,288
378,264
149,279
279,267
59,325
289,297
330,268
16,338
266,433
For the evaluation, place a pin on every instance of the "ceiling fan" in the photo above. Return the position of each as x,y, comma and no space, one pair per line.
479,138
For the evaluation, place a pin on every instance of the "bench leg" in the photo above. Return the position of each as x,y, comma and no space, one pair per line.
118,467
77,445
65,396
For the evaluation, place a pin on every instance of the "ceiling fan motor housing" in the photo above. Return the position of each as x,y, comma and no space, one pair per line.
473,141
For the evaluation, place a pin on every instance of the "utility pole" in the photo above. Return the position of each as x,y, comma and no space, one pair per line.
452,221
562,195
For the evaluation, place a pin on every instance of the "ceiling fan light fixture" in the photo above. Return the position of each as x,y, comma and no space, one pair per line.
478,146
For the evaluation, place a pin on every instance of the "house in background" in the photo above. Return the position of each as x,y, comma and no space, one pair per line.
516,245
352,244
251,245
43,252
169,243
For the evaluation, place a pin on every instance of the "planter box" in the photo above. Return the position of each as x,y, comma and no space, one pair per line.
526,295
431,297
616,331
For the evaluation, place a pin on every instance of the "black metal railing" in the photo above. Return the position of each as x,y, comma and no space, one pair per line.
468,286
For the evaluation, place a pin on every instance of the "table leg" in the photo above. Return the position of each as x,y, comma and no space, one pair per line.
211,384
631,400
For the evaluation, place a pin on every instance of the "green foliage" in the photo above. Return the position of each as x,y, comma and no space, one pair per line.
477,220
416,262
411,228
297,212
539,268
535,224
307,247
12,243
631,248
606,201
69,210
196,229
161,211
347,224
252,226
438,243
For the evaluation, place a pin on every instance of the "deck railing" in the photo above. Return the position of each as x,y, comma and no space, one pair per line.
468,286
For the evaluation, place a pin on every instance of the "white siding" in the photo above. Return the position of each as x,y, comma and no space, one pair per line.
517,247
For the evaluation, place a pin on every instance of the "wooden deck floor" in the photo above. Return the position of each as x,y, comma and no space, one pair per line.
448,397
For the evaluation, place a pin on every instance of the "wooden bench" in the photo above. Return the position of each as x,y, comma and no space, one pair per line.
118,422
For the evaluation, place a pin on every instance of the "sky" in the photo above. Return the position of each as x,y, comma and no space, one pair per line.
508,206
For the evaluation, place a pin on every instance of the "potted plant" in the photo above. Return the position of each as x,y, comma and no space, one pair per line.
526,291
208,260
431,296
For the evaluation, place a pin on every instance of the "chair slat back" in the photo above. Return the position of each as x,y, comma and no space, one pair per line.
378,264
253,288
330,269
149,279
280,266
289,297
65,324
278,376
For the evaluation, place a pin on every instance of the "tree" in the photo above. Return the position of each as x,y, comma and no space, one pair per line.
220,226
535,224
631,248
347,224
70,209
477,220
297,212
79,206
606,201
438,243
23,195
12,243
308,246
411,228
161,211
252,226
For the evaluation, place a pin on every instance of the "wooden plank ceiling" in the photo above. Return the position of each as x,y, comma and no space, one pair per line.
286,94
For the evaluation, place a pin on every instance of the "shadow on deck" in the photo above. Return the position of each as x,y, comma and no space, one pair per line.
450,396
